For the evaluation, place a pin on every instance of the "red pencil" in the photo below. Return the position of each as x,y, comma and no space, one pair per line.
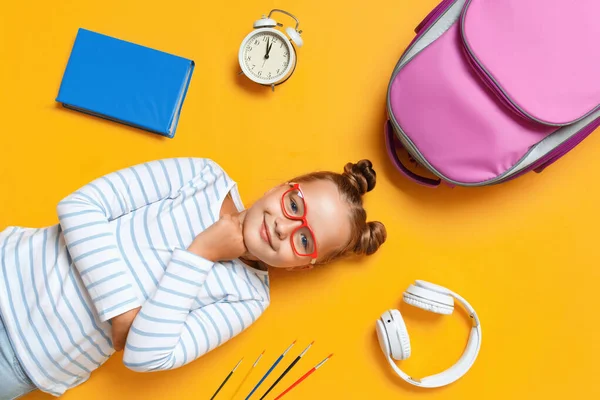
306,375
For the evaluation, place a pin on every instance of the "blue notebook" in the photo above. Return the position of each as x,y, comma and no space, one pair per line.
125,82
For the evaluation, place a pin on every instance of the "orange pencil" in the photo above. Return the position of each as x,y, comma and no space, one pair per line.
306,375
288,369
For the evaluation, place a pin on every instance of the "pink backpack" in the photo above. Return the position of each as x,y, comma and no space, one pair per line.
489,90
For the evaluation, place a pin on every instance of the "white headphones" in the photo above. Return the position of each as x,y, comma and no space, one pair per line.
395,343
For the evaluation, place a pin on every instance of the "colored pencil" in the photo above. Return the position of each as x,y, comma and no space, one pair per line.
270,370
247,375
306,375
226,379
287,370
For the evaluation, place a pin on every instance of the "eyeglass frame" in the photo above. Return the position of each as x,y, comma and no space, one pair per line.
296,186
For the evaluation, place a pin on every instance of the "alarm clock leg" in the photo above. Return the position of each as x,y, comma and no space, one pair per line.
273,86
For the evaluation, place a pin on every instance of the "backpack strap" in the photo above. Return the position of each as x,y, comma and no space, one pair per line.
390,142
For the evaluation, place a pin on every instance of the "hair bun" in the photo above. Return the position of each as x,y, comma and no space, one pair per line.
361,175
373,236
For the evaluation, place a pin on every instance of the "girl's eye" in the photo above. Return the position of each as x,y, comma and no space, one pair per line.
293,206
304,241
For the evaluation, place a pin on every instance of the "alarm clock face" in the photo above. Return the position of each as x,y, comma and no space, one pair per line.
266,56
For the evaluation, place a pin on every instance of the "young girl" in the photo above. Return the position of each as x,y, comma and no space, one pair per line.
162,259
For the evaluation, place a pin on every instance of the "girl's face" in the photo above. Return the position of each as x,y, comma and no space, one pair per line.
293,224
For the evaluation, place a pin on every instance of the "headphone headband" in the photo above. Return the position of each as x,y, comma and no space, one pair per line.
466,306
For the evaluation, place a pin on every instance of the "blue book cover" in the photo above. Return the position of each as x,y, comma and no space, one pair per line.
125,82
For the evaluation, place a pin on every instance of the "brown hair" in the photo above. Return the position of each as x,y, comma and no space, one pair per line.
356,180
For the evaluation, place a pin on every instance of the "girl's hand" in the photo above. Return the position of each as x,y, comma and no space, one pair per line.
223,240
120,328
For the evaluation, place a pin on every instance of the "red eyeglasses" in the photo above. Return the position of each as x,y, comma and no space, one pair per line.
293,206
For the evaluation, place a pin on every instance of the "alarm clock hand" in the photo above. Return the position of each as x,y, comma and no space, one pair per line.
268,48
266,57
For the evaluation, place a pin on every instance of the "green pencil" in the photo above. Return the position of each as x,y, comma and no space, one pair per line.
226,379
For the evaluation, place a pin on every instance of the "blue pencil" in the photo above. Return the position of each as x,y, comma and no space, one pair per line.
270,370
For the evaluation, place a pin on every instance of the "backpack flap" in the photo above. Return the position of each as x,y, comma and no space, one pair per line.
540,56
450,118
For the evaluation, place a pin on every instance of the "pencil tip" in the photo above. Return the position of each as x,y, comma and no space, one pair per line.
329,356
313,342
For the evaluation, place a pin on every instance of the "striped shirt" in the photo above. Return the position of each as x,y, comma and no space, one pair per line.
120,243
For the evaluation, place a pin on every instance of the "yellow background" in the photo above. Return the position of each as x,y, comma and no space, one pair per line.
525,253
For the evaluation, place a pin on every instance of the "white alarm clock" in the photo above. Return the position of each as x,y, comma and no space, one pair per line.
267,56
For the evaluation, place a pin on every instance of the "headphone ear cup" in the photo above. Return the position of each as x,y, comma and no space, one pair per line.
429,300
382,337
426,305
402,336
393,335
432,286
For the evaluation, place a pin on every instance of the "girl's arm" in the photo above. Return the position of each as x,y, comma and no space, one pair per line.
85,215
167,333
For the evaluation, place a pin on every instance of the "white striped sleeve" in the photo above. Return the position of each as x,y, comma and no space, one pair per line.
85,215
168,333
